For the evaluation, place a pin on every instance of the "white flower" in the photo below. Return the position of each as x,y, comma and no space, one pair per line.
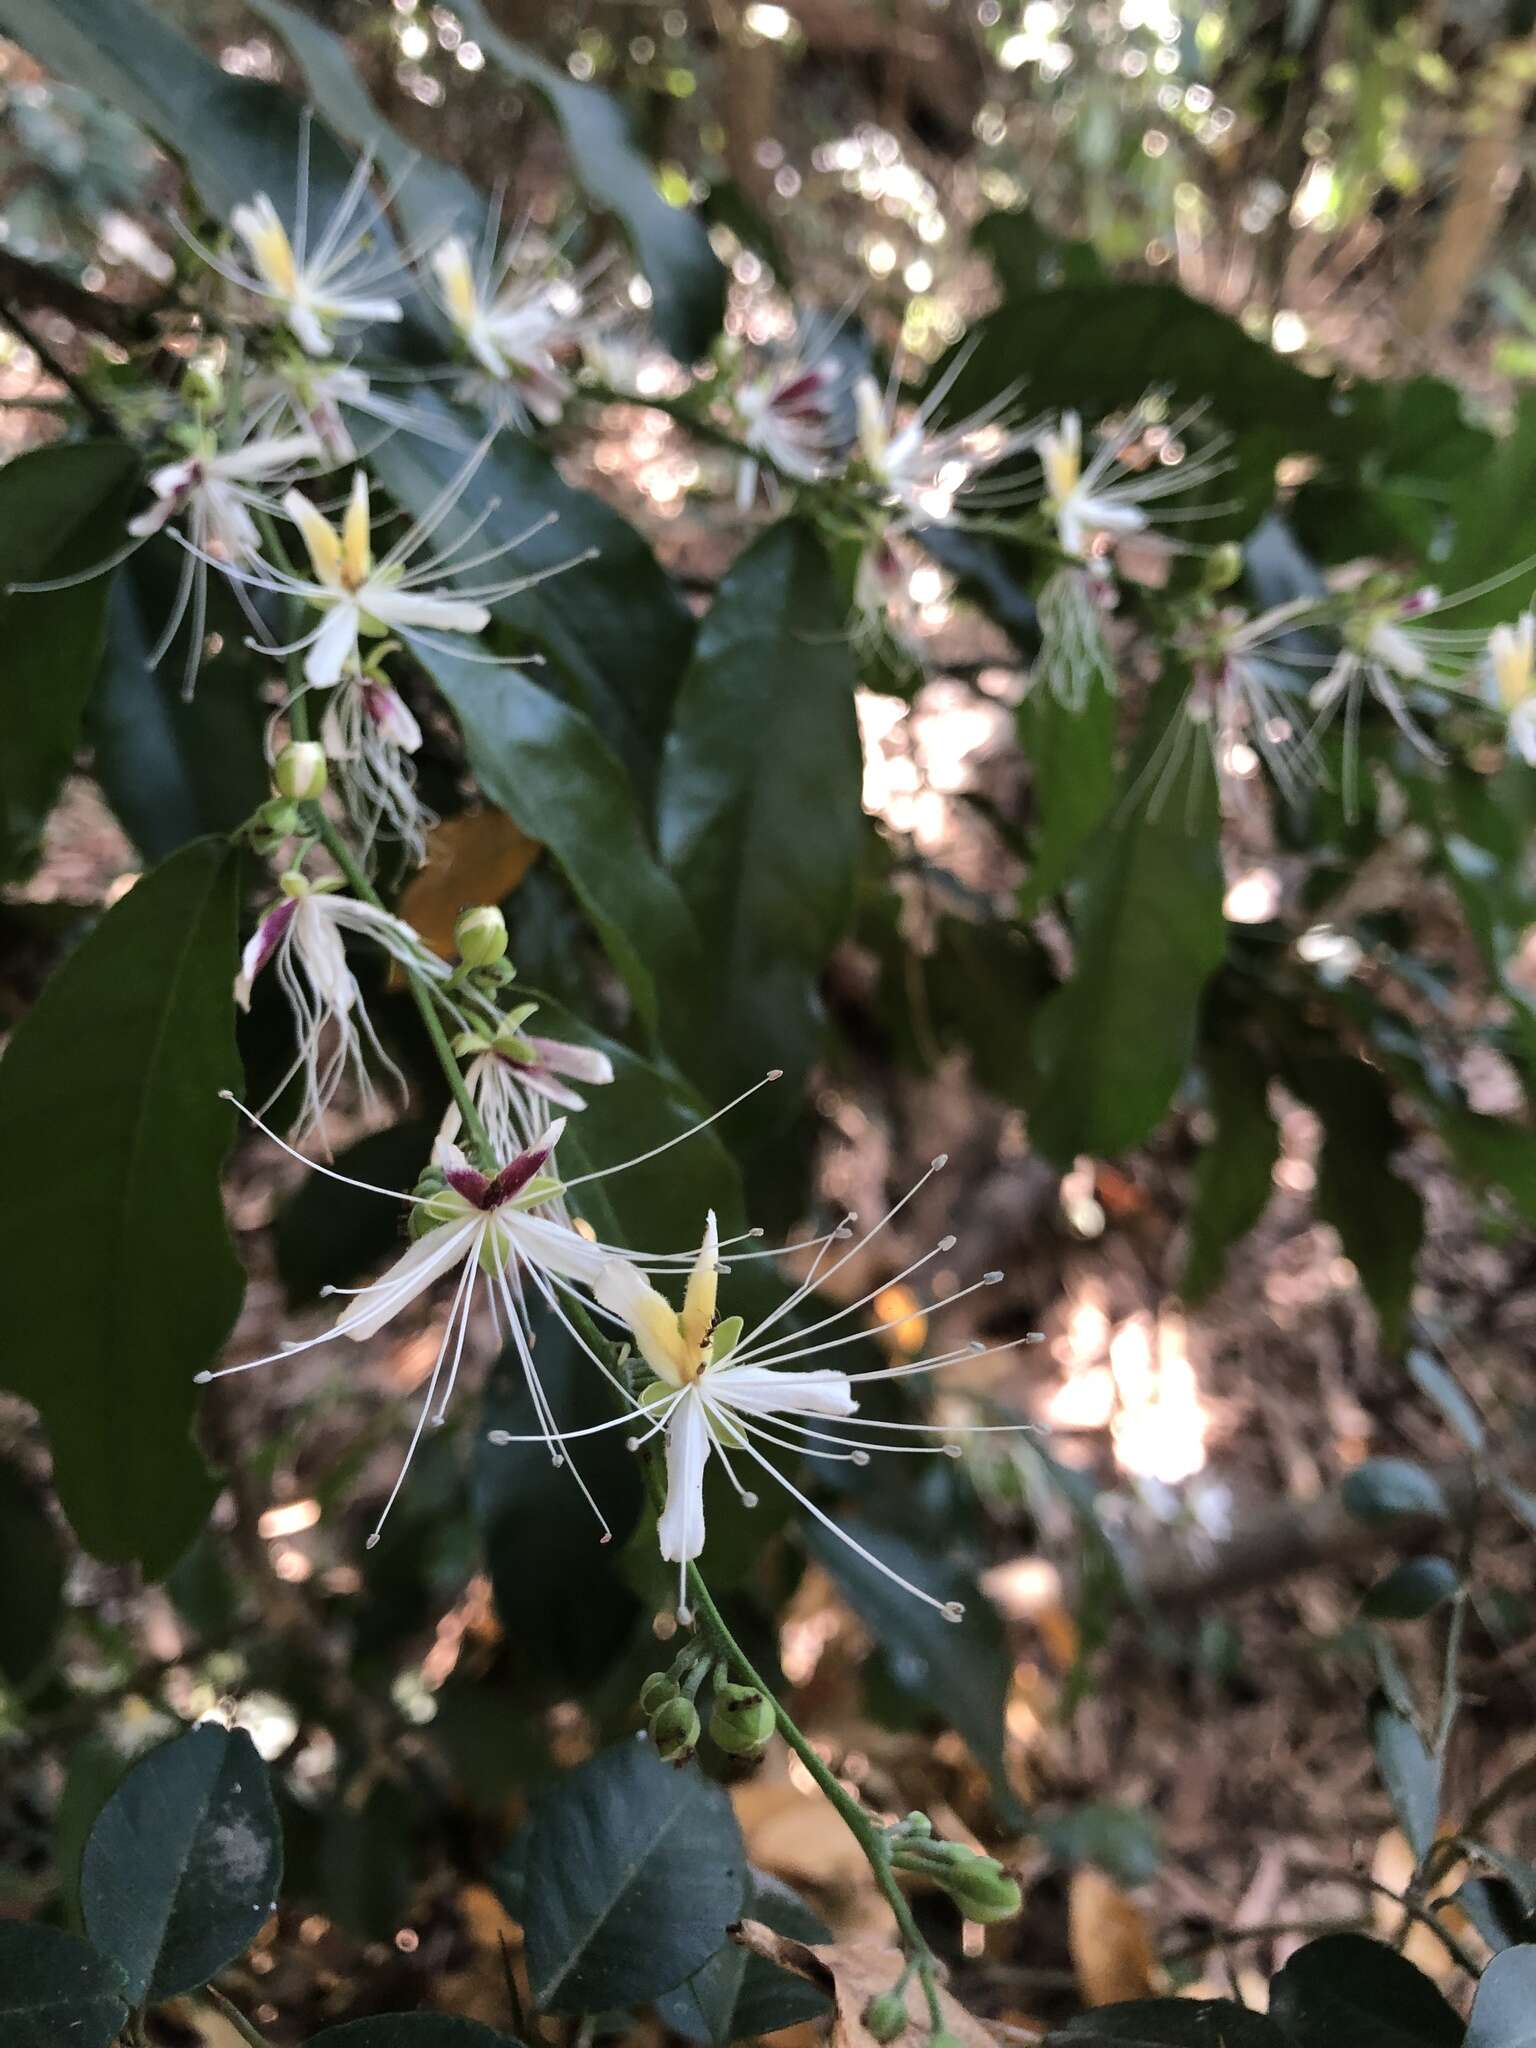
720,1392
315,397
1510,684
1387,652
323,282
924,469
214,488
370,733
1247,701
515,328
301,938
513,1072
788,416
1109,498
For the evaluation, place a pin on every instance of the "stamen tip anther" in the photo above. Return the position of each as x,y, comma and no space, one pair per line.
954,1610
201,1379
946,1244
991,1279
749,1500
226,1095
952,1450
498,1436
685,1616
373,1541
859,1457
774,1074
940,1160
1035,1337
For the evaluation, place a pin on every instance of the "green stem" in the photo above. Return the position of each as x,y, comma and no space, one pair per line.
235,2017
858,1823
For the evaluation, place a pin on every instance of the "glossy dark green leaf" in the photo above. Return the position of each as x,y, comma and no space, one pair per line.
32,1580
1387,1490
111,1118
170,769
1379,1217
1494,515
326,1234
1234,1179
759,814
671,246
962,1670
61,511
563,1605
1170,2023
737,1995
1504,2010
1411,1590
236,136
182,1867
1346,1991
976,991
1028,257
1410,1772
635,1870
1437,1384
56,1990
1112,1046
1120,1840
1071,756
411,2030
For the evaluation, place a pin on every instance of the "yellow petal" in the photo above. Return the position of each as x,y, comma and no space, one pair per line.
697,1318
457,278
320,538
265,236
652,1321
356,535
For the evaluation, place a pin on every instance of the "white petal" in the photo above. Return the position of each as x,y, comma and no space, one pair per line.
308,331
266,458
427,1260
333,649
406,608
680,1529
761,1390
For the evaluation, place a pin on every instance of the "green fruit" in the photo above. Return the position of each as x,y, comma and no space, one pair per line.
675,1731
742,1720
885,2016
656,1691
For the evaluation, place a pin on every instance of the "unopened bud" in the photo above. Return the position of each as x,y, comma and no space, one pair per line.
742,1720
984,1891
481,936
203,385
917,1824
675,1730
1223,566
660,1687
299,771
886,2016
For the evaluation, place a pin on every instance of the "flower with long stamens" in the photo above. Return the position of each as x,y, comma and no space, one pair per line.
923,468
1510,682
314,397
515,321
499,1234
1074,650
1388,654
301,938
319,283
723,1392
1110,497
512,1072
788,418
370,733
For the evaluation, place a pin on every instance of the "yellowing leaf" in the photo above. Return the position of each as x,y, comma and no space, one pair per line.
1107,1933
476,857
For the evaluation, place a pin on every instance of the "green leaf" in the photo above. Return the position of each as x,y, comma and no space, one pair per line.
563,1605
54,1989
1170,2023
326,1234
61,511
236,136
962,1670
32,1582
759,812
1437,1384
635,1870
1495,520
111,1120
1504,2010
1113,1044
1379,1217
1387,1490
548,768
1409,1772
1071,756
170,769
1411,1590
411,2030
1346,1991
1234,1179
737,1995
671,247
182,1867
1120,1840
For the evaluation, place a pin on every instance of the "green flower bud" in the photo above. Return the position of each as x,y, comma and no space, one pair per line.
1223,566
742,1720
941,2037
481,936
984,1891
917,1824
886,2016
202,384
660,1687
299,771
675,1730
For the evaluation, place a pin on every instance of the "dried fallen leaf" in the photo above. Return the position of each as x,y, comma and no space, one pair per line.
1107,1933
852,1973
475,857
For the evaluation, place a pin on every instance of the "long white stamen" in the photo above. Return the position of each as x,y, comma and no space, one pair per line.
640,1158
314,1165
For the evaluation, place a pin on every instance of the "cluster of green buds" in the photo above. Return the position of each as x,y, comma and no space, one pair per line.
481,938
299,776
741,1719
977,1883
